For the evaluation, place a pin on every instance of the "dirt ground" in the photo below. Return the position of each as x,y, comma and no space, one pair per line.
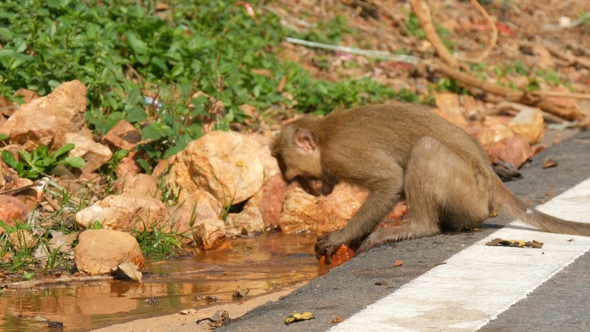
185,323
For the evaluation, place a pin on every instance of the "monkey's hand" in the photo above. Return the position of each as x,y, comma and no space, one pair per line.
327,245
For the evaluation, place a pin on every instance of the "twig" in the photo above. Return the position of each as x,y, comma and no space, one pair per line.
488,50
391,14
423,13
373,54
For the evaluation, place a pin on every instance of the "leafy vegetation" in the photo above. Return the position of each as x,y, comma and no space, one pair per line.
123,51
40,162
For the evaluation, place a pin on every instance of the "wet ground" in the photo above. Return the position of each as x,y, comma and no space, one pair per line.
261,264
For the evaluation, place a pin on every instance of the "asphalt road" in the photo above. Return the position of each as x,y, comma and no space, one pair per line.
562,302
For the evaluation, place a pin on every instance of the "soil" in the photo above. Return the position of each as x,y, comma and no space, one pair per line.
179,322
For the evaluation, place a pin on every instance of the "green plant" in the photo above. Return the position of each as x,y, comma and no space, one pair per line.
40,162
28,275
19,259
160,241
121,50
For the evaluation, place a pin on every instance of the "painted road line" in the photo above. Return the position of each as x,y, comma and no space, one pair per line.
480,282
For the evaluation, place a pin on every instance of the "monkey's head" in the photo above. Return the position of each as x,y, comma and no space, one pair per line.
297,151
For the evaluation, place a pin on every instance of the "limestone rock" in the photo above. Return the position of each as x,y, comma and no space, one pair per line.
94,154
493,131
122,136
12,210
303,212
246,222
269,199
449,108
513,150
183,218
33,127
528,123
139,185
226,164
44,121
209,233
100,251
123,212
67,103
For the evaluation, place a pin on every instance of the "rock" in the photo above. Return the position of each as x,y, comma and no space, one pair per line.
27,95
127,166
67,103
449,108
162,166
246,222
139,185
263,209
513,150
471,106
181,217
122,136
226,164
101,251
493,131
22,239
33,127
209,233
12,210
44,121
269,163
123,212
94,154
303,212
27,196
528,123
269,200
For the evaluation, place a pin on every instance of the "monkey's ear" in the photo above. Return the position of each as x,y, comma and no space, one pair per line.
306,139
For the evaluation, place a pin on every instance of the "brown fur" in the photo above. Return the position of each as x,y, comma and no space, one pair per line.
395,152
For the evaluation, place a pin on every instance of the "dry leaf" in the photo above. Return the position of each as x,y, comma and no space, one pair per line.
548,163
131,270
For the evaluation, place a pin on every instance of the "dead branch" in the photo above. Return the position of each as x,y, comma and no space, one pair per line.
572,59
543,94
488,50
423,13
509,94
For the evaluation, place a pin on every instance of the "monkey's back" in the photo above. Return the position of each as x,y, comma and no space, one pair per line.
379,135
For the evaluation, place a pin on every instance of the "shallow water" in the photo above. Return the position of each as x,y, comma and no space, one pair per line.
261,264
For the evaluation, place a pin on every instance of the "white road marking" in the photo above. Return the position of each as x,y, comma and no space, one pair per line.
480,282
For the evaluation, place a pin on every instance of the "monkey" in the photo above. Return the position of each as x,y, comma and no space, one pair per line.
397,152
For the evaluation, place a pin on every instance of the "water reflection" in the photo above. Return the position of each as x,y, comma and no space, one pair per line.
260,264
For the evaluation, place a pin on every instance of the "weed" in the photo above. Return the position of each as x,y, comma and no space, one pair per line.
41,161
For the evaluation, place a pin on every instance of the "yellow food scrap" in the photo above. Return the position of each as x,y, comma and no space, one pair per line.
298,316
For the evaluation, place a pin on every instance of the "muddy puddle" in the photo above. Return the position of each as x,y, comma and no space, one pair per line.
262,265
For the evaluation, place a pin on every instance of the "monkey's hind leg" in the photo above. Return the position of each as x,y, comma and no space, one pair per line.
440,188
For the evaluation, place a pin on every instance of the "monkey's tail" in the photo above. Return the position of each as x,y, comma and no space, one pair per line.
516,208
